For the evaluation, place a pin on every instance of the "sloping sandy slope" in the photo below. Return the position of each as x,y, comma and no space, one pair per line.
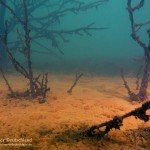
57,123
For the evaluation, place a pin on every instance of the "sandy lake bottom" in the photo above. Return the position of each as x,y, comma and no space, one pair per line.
57,123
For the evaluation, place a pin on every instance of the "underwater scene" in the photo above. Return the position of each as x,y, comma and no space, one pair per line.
74,74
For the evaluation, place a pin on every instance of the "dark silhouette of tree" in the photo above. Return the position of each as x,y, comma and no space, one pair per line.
135,28
29,27
41,25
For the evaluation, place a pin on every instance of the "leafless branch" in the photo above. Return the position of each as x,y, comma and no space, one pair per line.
131,94
117,121
142,94
78,76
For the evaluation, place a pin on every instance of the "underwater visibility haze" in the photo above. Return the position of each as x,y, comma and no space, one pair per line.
72,72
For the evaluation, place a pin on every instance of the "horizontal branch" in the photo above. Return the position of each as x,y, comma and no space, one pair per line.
117,121
53,34
84,29
80,7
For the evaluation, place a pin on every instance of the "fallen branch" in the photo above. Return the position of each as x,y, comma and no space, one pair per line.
75,82
117,121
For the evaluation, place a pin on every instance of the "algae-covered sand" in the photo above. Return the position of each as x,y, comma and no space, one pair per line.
58,123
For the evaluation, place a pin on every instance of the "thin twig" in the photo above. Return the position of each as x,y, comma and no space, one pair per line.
77,77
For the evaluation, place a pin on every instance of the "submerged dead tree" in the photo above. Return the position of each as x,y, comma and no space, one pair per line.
42,24
30,27
36,87
135,27
102,129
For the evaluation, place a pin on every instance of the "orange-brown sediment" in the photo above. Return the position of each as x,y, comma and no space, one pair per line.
94,100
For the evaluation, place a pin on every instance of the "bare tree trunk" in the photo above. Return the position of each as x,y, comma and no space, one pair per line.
3,55
144,84
135,27
28,47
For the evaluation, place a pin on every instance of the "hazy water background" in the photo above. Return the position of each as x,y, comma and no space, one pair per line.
103,53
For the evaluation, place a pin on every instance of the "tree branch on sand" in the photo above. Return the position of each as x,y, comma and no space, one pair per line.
117,121
77,77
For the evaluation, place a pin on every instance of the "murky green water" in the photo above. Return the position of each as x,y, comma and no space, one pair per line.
105,52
